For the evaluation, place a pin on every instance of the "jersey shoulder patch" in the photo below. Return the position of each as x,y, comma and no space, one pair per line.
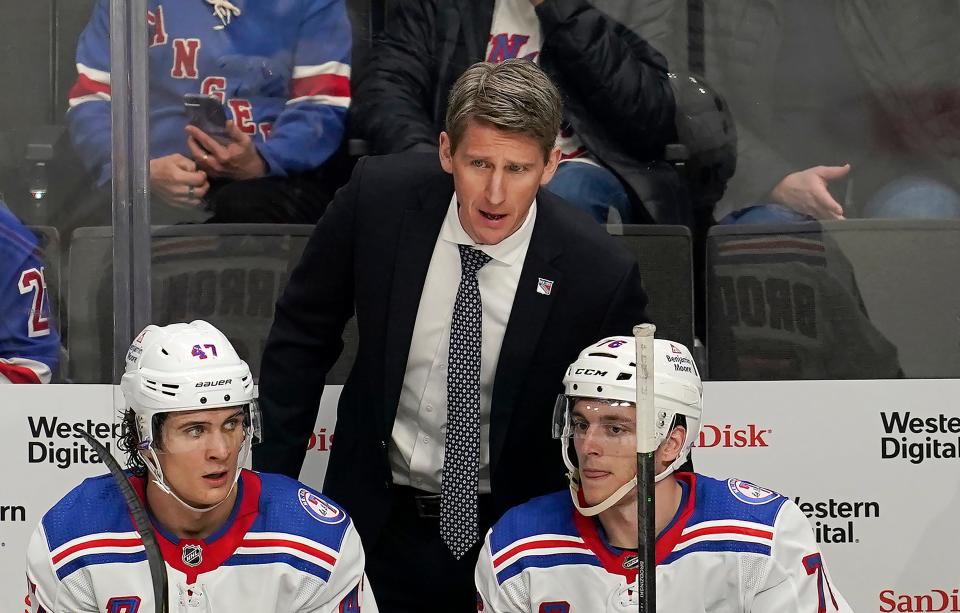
736,499
290,507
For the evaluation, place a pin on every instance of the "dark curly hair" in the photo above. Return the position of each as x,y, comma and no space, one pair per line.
129,440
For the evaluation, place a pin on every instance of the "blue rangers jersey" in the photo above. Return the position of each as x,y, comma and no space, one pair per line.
731,547
284,548
281,69
29,343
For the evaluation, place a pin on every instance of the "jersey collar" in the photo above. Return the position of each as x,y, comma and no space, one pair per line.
615,560
219,546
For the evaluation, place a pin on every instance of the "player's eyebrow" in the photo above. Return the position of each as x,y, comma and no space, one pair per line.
204,422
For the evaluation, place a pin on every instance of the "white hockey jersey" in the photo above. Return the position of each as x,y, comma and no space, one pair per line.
732,547
284,548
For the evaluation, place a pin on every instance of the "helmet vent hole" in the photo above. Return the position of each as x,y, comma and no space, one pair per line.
163,351
226,397
599,388
171,385
575,386
603,355
167,393
624,376
203,400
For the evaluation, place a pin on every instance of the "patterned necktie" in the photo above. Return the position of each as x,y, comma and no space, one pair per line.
459,483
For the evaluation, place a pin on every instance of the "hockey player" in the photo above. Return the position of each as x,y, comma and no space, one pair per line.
29,343
232,539
722,545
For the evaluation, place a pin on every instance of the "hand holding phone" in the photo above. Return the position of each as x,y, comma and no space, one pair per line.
207,114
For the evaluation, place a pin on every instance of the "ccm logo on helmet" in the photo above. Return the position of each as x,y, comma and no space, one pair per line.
590,372
214,383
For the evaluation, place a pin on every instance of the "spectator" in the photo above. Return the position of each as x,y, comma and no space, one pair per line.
863,123
281,69
619,105
720,544
29,342
439,427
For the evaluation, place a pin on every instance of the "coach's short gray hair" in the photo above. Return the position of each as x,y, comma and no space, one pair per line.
514,96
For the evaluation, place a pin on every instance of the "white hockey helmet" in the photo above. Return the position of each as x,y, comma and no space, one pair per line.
607,371
185,367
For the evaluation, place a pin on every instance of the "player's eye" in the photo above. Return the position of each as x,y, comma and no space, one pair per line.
195,431
478,163
581,425
231,424
517,168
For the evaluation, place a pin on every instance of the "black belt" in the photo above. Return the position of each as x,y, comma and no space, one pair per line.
427,503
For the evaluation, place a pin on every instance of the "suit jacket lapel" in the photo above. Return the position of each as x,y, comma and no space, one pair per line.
419,229
527,318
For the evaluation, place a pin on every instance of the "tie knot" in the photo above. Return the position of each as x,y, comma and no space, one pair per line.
472,260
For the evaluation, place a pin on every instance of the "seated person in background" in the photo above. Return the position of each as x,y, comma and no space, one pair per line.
619,106
843,108
231,539
281,70
577,549
29,342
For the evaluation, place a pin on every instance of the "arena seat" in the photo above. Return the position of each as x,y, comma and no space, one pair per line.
665,257
855,299
230,275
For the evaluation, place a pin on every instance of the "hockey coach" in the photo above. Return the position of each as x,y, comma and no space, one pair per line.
473,289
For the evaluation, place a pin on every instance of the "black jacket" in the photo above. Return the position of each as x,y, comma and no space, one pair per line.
616,93
370,254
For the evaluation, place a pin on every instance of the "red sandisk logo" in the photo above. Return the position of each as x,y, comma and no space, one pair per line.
934,600
728,436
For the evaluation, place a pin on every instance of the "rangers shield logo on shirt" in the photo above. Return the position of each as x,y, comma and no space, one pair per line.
749,493
319,509
544,286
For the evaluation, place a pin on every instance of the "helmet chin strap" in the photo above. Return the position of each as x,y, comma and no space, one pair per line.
156,472
573,475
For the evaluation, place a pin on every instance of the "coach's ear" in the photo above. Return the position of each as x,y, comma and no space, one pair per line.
446,153
671,446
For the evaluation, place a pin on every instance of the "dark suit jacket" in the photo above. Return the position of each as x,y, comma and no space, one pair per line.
370,254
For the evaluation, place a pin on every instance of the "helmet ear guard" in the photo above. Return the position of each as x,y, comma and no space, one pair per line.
607,371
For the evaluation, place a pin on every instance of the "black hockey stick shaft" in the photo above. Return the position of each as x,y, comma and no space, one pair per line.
141,521
647,543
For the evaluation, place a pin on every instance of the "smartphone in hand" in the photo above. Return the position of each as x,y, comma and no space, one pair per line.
206,113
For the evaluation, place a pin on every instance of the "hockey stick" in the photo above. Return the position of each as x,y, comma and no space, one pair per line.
646,445
158,568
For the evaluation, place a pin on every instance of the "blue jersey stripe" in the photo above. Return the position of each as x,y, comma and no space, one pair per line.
99,558
547,561
241,559
719,546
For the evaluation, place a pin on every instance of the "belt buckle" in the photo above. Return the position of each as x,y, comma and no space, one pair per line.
428,505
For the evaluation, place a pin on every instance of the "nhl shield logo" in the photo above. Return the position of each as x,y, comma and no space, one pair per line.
631,562
192,555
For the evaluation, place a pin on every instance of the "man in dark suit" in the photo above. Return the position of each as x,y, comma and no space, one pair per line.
473,290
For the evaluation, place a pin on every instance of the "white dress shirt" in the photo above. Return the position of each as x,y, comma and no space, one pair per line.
419,431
